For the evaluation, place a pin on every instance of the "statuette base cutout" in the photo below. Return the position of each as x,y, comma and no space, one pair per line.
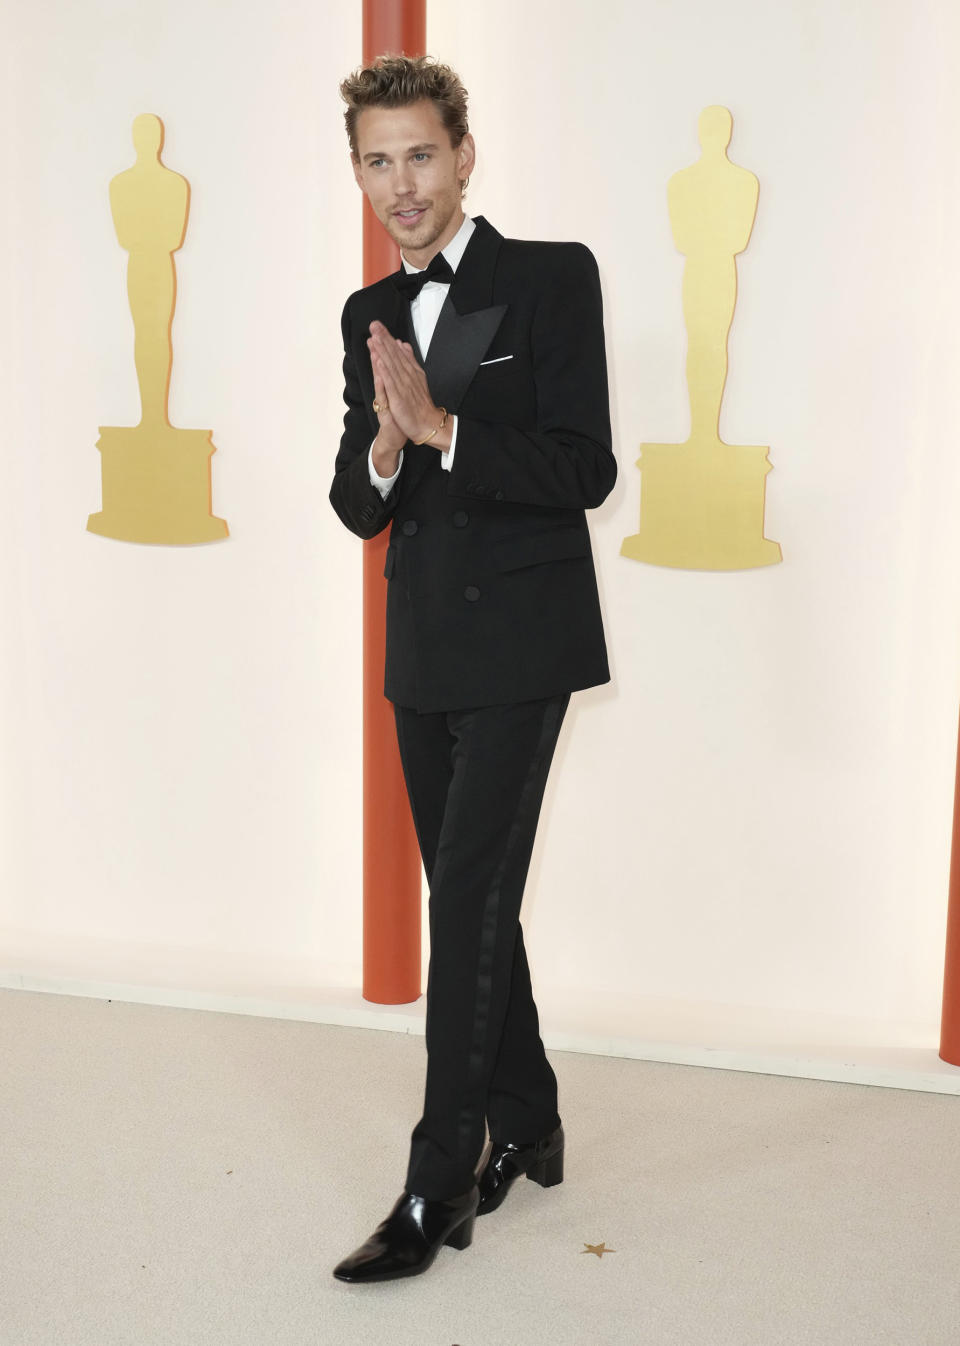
156,485
702,507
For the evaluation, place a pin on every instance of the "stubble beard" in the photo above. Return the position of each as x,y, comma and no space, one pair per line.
428,232
422,236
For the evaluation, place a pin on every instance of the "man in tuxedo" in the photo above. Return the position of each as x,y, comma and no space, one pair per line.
477,427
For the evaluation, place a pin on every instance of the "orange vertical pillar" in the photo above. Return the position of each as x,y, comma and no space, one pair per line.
950,1022
391,858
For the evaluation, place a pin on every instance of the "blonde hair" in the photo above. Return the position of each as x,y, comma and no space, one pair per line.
398,81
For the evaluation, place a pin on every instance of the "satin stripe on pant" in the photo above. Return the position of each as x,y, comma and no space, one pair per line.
476,780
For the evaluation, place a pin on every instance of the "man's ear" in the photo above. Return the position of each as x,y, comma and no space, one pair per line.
466,156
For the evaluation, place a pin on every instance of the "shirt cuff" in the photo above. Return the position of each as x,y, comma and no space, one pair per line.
446,457
383,484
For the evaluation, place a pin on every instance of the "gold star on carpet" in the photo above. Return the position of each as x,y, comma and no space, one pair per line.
598,1248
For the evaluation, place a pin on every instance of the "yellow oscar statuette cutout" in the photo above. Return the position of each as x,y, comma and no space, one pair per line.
702,502
156,478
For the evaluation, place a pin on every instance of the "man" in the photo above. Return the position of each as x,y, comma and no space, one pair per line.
477,425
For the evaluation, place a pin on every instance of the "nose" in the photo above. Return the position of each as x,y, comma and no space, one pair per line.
403,179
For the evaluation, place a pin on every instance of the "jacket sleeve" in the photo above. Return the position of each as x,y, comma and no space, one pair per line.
567,462
356,500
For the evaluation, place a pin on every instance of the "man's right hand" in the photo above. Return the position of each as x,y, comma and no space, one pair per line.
391,439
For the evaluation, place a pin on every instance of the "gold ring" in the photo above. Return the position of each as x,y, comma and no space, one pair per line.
380,406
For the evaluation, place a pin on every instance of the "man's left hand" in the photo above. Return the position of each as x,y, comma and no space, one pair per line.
405,384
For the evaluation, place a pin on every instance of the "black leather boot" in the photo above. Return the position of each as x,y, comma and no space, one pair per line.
407,1241
540,1160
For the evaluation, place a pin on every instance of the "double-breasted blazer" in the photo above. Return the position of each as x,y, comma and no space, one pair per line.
492,595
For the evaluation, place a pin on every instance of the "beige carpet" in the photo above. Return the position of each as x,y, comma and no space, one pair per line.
185,1178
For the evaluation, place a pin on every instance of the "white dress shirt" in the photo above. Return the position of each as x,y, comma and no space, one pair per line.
424,312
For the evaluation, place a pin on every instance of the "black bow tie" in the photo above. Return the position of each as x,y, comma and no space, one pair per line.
410,283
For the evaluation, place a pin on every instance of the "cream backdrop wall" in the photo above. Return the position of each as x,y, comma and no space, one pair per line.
181,725
746,845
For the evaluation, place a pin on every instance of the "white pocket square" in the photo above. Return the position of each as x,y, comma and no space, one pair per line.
497,361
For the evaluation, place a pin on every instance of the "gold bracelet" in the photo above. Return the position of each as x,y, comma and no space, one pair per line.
443,421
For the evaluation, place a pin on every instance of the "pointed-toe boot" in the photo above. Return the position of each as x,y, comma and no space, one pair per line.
407,1241
540,1160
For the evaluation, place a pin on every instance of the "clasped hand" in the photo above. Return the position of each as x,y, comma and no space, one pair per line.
407,411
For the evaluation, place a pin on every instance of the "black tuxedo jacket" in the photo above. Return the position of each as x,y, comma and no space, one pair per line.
492,594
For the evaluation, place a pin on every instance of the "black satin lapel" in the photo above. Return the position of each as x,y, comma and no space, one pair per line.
459,343
472,286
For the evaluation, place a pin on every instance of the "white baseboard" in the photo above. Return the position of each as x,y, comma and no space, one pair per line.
754,1039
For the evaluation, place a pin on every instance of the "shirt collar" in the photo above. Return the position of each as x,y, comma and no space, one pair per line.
452,252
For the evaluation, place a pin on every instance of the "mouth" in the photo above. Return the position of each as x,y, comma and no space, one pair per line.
412,215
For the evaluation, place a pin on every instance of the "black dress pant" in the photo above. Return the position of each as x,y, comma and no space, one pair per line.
475,780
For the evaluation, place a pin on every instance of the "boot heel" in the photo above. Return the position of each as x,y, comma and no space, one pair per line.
461,1236
549,1173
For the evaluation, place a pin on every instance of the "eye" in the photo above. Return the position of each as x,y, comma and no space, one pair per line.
375,163
421,154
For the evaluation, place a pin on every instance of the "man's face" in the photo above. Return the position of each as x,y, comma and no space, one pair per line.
411,175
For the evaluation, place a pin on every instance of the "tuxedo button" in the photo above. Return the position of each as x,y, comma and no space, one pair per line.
410,526
471,593
461,519
498,496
